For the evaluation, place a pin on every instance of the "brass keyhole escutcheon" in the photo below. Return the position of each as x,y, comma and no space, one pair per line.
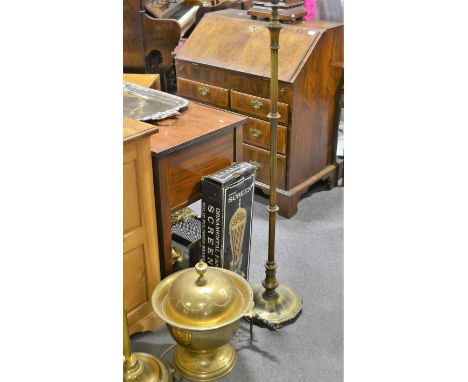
204,91
256,104
255,132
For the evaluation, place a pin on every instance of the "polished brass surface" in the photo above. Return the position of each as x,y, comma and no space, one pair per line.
184,361
142,367
280,308
182,215
150,369
255,132
177,256
273,302
202,308
256,104
204,91
202,301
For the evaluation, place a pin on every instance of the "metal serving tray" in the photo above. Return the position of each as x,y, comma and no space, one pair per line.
144,104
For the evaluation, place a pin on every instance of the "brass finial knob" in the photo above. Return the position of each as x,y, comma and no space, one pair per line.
201,268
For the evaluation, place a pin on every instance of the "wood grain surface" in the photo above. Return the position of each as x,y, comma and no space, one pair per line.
151,81
257,133
140,242
248,48
192,125
257,106
200,141
133,129
213,95
237,59
262,157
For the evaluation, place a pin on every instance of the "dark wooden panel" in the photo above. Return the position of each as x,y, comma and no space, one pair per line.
133,51
257,133
187,167
307,94
193,123
310,138
177,181
245,46
241,82
257,106
262,157
214,95
161,36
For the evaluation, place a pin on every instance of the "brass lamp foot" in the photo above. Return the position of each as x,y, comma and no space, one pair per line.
146,368
280,308
206,365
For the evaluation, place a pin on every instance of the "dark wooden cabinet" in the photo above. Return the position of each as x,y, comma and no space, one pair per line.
226,63
199,142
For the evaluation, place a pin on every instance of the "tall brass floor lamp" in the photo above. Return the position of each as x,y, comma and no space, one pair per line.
274,302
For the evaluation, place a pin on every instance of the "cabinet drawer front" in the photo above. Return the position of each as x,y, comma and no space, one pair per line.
199,91
259,107
262,158
257,133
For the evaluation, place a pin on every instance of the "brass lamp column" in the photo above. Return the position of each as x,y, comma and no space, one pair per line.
274,302
142,367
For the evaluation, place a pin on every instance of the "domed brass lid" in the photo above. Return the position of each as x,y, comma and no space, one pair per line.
202,298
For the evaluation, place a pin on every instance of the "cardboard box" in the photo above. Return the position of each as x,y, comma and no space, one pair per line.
226,212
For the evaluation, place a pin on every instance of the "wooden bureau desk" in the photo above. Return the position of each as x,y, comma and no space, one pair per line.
231,70
200,141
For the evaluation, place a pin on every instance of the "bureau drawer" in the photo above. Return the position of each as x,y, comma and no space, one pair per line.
262,158
199,91
259,107
257,133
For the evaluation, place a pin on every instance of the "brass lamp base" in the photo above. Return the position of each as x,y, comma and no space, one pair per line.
283,307
206,365
146,368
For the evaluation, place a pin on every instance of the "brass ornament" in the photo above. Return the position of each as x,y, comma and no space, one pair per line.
204,91
179,216
147,368
142,367
256,104
273,302
279,309
255,132
177,256
182,215
202,308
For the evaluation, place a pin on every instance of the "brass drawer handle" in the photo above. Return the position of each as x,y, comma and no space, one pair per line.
256,104
255,132
256,164
204,91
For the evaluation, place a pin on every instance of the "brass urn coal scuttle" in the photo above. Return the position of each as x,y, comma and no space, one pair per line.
202,308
